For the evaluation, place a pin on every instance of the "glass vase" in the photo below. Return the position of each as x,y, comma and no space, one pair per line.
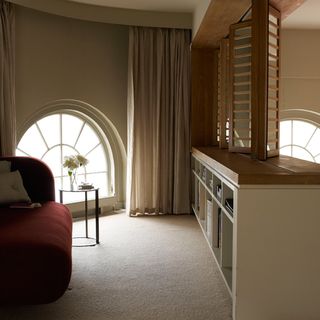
71,182
72,179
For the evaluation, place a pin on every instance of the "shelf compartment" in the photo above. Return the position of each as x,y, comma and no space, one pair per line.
202,205
228,196
196,166
214,237
227,248
213,218
209,179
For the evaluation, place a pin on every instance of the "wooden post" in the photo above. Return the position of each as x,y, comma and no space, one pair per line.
224,92
215,106
260,22
203,118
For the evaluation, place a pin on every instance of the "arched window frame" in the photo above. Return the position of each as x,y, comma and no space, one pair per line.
102,140
303,115
104,127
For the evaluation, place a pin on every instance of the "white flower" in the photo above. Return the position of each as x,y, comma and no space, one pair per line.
72,163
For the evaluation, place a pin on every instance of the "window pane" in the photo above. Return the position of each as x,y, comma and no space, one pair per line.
286,151
99,180
87,141
285,133
97,160
314,144
302,132
301,153
32,143
20,153
81,178
50,129
53,160
71,127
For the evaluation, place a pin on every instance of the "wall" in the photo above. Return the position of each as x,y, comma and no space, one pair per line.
110,15
198,15
63,58
300,70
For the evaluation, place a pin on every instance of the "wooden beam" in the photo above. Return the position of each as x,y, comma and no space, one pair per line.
286,7
215,24
222,13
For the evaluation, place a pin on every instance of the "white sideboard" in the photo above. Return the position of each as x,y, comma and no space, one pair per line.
268,247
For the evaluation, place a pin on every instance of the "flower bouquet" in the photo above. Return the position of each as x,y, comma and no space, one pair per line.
72,163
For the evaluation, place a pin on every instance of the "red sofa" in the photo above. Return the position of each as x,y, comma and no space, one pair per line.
35,244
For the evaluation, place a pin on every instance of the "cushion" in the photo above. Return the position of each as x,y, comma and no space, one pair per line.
5,166
12,189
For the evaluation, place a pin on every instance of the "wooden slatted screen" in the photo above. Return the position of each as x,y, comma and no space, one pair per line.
240,75
223,94
273,82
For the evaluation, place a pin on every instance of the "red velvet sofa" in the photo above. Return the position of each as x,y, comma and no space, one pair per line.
35,244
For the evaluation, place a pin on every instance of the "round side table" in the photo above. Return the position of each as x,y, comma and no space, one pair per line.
85,191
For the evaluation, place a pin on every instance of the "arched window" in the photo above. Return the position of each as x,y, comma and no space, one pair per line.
63,134
300,139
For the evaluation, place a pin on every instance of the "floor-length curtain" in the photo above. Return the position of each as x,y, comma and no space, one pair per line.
158,121
7,80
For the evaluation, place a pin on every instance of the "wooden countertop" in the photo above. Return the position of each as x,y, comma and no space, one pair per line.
241,169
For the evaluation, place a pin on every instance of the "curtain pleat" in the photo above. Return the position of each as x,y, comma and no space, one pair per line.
7,80
158,178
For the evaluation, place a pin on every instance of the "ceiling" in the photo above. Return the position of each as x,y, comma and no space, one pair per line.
307,16
162,13
147,5
150,13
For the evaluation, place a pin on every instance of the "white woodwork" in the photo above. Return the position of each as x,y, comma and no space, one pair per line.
268,253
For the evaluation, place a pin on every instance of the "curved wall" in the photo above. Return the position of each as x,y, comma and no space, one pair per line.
110,15
62,58
300,72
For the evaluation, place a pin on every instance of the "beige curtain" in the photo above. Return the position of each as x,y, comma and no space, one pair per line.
158,121
7,80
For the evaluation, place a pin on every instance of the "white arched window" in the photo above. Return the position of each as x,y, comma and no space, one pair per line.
63,134
300,139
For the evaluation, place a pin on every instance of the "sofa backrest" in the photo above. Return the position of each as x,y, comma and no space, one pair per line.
37,177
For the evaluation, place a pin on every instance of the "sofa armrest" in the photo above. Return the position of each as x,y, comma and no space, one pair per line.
37,177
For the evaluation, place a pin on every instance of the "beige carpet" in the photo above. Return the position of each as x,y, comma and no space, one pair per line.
157,268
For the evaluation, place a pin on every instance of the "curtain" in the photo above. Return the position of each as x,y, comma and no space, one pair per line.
158,177
7,80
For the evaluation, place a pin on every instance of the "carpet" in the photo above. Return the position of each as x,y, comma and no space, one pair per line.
157,268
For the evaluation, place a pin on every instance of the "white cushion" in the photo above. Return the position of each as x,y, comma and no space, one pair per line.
12,189
5,166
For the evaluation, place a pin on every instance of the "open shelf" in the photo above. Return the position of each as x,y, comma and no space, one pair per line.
209,193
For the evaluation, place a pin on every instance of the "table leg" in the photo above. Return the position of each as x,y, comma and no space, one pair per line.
61,196
97,216
86,211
